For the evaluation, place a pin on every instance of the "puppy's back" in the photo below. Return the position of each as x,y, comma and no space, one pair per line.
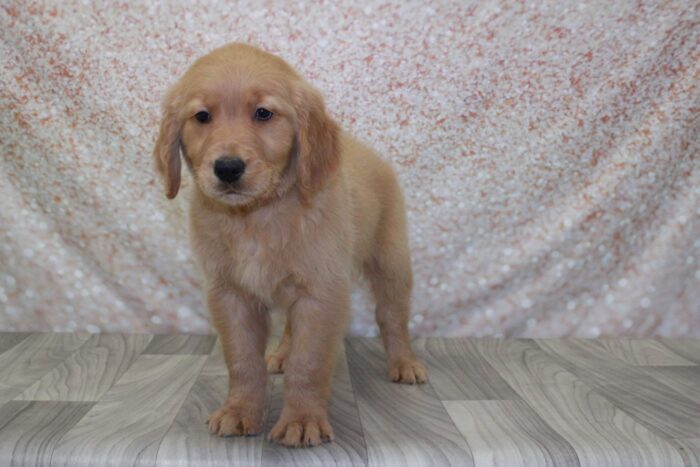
374,192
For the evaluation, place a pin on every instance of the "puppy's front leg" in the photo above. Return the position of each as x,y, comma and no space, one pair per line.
242,328
316,329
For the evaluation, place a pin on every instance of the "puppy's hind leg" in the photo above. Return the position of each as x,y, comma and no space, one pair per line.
276,359
392,291
390,277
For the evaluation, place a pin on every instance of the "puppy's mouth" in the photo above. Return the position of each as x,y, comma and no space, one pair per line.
230,192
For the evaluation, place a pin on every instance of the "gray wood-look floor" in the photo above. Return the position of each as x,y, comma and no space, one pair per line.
79,399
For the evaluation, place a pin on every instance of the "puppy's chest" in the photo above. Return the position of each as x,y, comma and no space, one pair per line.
259,261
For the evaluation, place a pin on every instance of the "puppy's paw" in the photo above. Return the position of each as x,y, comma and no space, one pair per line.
407,371
275,362
233,420
302,429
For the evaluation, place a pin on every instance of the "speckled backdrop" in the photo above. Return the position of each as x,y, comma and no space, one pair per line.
549,152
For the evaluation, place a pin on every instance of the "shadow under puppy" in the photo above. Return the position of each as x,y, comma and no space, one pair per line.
284,208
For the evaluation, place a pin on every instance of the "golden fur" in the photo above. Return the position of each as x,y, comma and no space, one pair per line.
313,206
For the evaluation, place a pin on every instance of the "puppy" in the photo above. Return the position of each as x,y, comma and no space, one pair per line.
284,208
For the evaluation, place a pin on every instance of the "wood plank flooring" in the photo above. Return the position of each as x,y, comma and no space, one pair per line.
80,399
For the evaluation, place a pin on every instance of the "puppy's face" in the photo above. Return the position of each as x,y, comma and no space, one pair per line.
237,135
243,121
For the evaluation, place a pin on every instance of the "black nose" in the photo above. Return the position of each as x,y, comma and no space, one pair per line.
229,169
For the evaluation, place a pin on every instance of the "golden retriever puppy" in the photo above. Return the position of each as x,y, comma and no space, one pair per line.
284,208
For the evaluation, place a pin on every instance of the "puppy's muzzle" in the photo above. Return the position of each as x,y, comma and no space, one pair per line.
229,169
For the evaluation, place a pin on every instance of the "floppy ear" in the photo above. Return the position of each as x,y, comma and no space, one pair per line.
318,142
167,151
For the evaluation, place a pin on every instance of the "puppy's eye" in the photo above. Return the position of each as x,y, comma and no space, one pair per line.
262,114
203,116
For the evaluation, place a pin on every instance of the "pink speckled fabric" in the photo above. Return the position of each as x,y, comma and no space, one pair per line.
549,153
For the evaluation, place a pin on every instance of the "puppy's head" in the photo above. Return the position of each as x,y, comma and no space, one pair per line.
249,128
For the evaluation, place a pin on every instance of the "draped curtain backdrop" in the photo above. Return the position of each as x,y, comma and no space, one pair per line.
548,150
